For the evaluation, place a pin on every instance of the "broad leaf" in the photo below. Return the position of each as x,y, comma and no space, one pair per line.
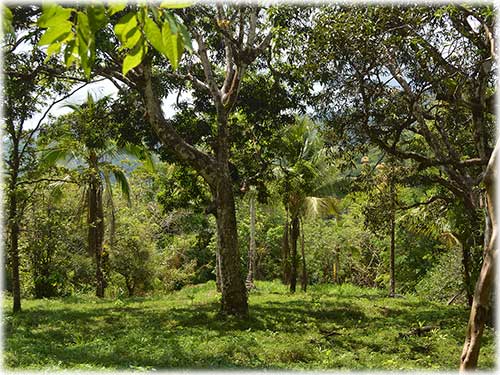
97,17
153,34
86,46
115,8
52,49
70,53
131,38
53,15
56,33
127,23
186,38
135,56
6,20
173,49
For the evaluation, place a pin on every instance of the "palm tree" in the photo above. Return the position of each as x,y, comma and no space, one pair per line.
86,146
305,184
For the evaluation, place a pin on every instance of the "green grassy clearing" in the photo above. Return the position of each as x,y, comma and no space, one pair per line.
330,327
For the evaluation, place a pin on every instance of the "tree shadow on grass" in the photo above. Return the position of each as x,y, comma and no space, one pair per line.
121,337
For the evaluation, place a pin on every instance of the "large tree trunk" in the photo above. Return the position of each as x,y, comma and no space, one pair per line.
303,280
217,270
96,231
215,171
252,246
485,282
234,296
294,235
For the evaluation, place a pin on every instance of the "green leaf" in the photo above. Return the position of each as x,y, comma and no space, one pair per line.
132,38
173,49
135,56
70,53
122,180
141,153
186,38
86,45
56,33
53,15
7,20
172,22
127,23
97,17
153,35
53,156
115,8
173,4
53,48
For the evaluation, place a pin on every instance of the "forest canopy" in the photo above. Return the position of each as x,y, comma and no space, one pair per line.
316,154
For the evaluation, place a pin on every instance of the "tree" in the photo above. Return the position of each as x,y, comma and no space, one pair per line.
413,100
240,30
29,84
381,207
485,282
132,254
417,101
85,138
302,172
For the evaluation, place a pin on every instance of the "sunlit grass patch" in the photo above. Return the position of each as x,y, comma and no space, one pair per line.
329,327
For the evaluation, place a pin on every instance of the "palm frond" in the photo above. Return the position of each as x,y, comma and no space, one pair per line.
73,107
52,156
320,207
107,182
121,178
110,201
141,153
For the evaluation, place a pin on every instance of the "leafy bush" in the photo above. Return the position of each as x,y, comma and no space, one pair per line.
445,279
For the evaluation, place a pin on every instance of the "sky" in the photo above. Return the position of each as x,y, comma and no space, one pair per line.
98,91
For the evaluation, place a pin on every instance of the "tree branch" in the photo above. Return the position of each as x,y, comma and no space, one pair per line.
207,68
30,182
37,127
425,203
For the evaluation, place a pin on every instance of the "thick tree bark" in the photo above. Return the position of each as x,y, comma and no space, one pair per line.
252,246
218,283
485,282
234,296
303,280
294,235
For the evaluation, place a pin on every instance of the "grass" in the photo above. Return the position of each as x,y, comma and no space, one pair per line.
329,327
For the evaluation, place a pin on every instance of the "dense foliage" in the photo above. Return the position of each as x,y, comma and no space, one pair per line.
344,145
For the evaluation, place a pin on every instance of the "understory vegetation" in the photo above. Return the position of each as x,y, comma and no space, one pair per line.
249,185
330,327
